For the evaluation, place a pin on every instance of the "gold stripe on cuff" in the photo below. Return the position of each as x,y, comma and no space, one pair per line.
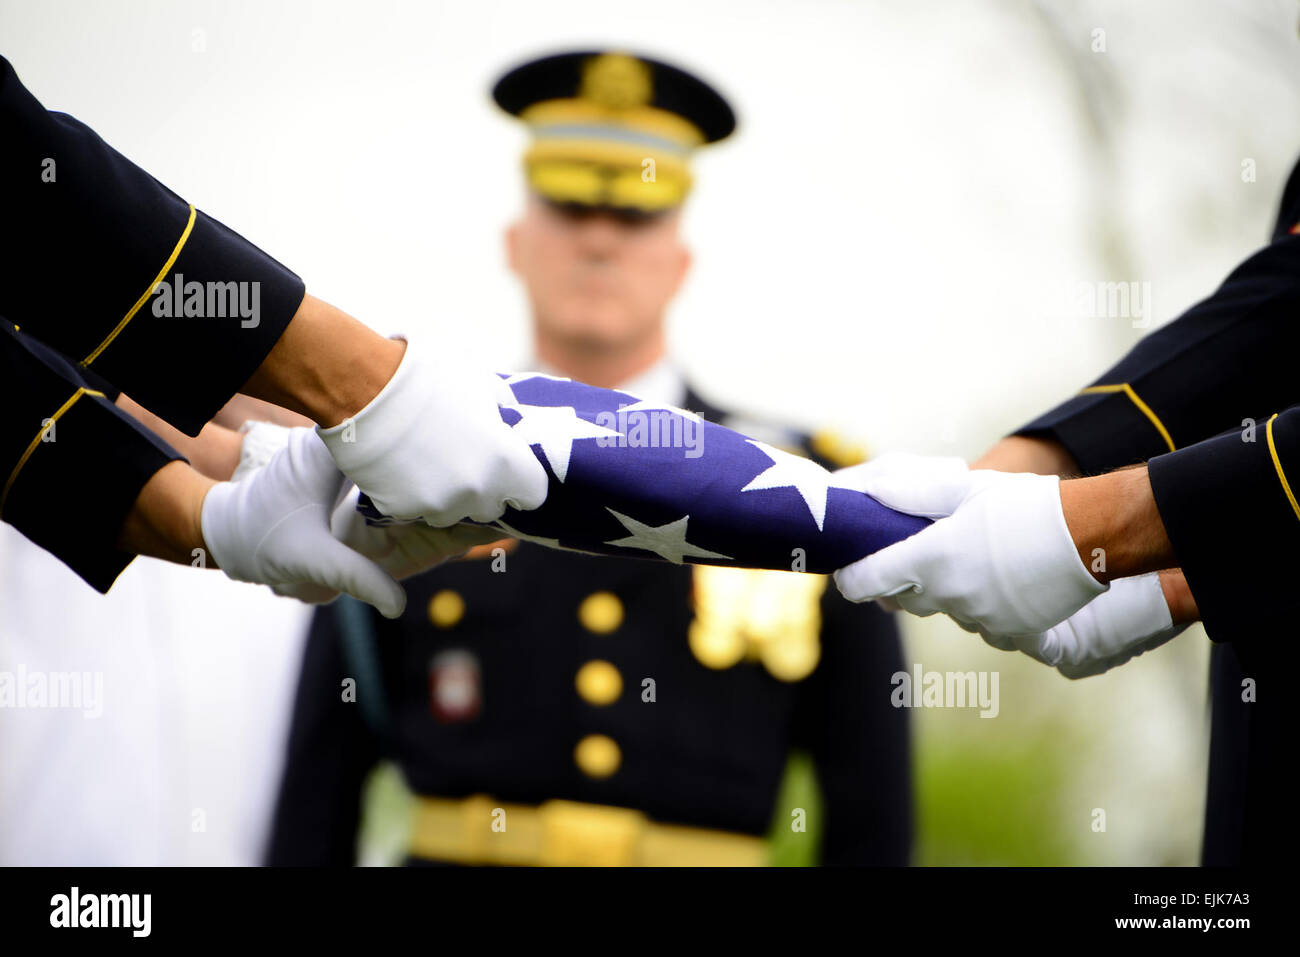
4,496
1277,464
180,244
1142,407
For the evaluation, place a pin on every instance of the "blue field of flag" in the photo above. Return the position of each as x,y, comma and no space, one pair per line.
638,479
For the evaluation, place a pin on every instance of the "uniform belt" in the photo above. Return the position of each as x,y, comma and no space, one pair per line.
479,830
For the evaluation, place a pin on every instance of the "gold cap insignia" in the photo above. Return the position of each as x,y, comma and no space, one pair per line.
616,81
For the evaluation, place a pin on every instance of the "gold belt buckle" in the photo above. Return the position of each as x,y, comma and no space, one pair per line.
589,835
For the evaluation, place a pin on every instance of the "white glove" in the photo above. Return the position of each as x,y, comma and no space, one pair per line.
273,528
1002,562
431,445
260,443
406,550
401,550
1131,618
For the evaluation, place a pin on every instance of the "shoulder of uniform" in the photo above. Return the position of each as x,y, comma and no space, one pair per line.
835,450
827,447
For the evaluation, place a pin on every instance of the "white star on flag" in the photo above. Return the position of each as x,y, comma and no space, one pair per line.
555,428
805,476
666,541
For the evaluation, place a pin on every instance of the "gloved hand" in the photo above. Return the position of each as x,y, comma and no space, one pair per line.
1132,617
261,440
999,559
273,528
431,445
402,550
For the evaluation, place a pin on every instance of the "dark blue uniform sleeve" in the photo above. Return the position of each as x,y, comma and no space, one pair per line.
1194,399
1226,360
1229,506
110,268
73,463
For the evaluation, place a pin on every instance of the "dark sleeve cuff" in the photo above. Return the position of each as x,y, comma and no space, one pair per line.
1229,509
102,250
206,328
1225,361
72,494
71,462
1102,430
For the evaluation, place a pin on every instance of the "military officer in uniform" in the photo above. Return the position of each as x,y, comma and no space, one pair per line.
555,708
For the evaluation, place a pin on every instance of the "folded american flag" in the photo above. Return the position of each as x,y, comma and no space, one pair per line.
639,479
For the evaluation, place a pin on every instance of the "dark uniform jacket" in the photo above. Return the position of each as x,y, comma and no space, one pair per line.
1211,401
485,691
90,234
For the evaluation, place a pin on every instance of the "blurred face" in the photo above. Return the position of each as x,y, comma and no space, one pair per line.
597,281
